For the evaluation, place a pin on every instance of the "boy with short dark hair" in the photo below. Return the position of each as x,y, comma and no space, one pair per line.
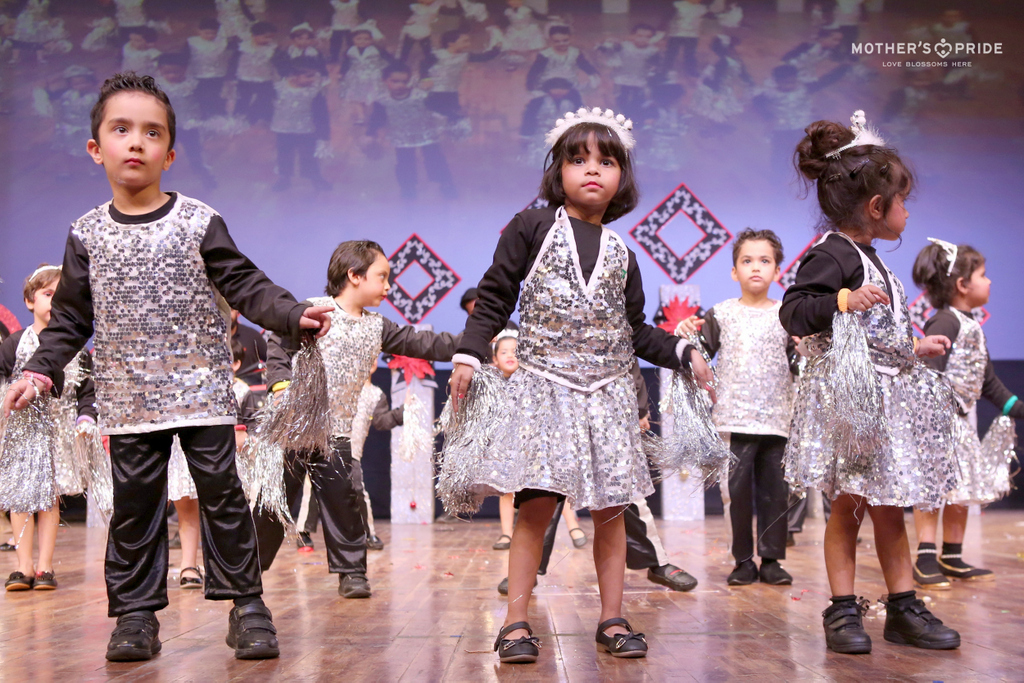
256,73
208,63
147,272
755,386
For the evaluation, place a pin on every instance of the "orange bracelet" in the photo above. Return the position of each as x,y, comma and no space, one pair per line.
844,294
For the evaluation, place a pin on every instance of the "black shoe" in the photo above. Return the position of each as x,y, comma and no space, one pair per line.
45,581
8,548
135,638
304,543
191,582
744,574
673,577
954,567
578,541
928,574
501,544
625,645
374,543
910,623
503,586
773,574
844,627
521,650
19,582
353,586
251,632
790,540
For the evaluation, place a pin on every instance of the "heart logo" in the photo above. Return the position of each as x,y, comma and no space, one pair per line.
942,49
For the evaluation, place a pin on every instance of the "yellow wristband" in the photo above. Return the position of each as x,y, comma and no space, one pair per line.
279,386
841,299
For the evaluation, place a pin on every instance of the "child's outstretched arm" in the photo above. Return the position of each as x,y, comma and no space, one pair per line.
406,340
385,418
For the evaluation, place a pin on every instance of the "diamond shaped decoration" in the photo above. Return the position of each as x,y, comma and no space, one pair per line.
921,310
681,268
788,275
414,308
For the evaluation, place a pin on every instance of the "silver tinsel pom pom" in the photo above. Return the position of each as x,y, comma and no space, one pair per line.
466,436
301,420
1002,438
858,414
266,474
89,449
28,480
694,444
417,437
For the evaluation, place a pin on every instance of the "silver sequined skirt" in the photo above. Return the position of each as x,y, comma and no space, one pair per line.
984,465
586,446
916,467
179,481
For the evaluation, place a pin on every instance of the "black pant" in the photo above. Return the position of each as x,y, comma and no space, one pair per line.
136,564
689,48
630,100
760,468
337,484
435,163
301,145
798,511
255,100
446,104
407,44
339,41
208,97
640,552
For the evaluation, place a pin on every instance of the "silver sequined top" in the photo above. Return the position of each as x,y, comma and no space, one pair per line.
293,108
208,58
560,65
631,65
254,62
161,357
965,367
573,332
350,349
410,123
446,72
755,385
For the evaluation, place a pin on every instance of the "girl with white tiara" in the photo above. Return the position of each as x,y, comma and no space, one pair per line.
566,425
953,277
873,428
38,458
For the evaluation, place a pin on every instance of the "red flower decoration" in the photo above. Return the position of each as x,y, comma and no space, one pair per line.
411,366
676,312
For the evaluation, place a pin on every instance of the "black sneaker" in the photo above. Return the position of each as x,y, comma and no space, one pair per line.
773,574
374,543
744,574
135,638
844,627
673,577
251,632
353,586
910,623
954,567
45,581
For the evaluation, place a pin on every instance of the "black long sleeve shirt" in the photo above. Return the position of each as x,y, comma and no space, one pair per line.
944,322
518,247
245,287
811,302
85,395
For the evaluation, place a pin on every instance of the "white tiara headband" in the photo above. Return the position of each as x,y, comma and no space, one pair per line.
42,269
619,124
951,251
506,334
862,135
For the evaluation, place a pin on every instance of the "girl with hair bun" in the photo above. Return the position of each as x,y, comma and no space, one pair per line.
872,426
953,277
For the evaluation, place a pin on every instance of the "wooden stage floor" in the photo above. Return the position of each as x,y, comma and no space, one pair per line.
435,611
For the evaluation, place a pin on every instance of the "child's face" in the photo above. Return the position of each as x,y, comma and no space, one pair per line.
40,303
362,40
461,44
560,42
590,178
263,39
755,267
302,79
302,39
895,220
370,289
173,73
976,290
208,34
236,365
397,84
138,41
642,37
133,141
505,357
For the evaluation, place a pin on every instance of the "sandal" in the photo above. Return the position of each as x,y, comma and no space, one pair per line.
189,582
626,645
578,541
502,545
521,650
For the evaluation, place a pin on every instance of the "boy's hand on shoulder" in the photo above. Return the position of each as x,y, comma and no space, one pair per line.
316,318
704,375
689,326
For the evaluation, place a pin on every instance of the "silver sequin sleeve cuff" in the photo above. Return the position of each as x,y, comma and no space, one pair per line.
466,359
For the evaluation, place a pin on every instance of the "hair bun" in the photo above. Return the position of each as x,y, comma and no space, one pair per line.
822,137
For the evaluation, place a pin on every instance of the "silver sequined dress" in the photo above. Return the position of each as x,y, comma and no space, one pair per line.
37,456
917,467
984,472
574,428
